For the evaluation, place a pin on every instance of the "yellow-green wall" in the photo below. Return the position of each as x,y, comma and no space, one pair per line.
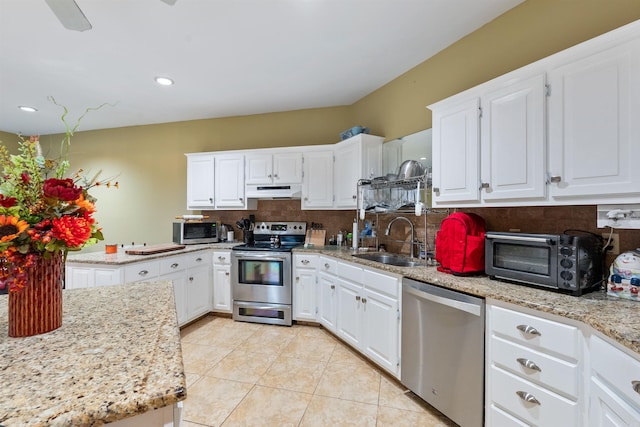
151,168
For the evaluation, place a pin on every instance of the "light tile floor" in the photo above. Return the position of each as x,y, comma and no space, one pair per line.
247,374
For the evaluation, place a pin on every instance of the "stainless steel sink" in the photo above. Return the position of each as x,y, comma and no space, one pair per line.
391,259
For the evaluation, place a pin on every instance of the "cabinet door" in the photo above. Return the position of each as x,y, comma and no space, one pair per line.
258,169
327,293
107,276
347,172
317,186
287,168
222,288
513,141
456,153
607,409
304,294
593,124
198,291
230,181
381,330
200,182
78,277
348,313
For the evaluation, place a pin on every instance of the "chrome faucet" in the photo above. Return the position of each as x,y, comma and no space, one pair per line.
413,232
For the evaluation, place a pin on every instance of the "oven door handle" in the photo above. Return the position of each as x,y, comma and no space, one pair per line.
519,238
252,256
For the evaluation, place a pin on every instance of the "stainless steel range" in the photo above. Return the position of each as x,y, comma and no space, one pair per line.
261,273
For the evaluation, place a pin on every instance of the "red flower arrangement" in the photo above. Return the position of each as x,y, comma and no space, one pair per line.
42,213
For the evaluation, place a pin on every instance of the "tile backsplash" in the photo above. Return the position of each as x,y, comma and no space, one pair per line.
550,219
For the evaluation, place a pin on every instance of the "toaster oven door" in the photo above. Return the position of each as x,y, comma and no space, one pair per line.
523,258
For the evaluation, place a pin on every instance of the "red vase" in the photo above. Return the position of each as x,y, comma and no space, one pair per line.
37,308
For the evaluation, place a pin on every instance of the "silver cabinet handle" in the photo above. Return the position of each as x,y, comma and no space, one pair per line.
175,265
528,397
305,261
333,286
436,190
198,259
297,278
276,176
636,386
528,330
143,272
221,258
357,297
555,179
354,197
306,199
191,279
364,300
269,176
326,265
484,185
226,273
529,364
210,199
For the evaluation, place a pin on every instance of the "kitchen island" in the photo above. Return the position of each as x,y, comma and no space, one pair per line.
117,355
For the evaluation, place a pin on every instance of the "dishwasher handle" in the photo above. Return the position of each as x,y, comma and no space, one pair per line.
467,307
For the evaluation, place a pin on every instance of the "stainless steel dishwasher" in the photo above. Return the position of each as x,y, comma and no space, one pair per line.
443,350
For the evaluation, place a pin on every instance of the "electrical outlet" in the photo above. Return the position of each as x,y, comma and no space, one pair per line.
614,244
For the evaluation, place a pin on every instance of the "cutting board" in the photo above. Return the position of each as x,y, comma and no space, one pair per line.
316,237
154,249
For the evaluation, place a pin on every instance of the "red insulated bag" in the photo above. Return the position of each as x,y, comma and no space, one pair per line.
460,244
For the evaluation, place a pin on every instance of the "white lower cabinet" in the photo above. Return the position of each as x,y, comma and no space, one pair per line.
198,284
91,275
327,292
534,367
304,287
614,386
222,282
368,316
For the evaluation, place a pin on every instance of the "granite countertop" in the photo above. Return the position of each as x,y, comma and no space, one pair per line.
613,317
116,355
121,258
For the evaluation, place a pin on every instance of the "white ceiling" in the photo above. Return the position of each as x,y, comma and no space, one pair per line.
228,57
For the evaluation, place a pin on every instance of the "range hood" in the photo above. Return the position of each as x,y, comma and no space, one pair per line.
290,191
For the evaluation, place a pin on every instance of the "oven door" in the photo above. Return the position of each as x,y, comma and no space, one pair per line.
263,277
527,258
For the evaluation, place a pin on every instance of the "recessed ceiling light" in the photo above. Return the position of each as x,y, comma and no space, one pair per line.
27,108
164,81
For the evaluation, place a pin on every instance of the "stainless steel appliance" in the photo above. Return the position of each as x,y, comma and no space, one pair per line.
261,273
195,232
443,350
572,263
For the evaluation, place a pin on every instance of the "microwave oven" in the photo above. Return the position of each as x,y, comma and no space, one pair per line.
571,263
187,233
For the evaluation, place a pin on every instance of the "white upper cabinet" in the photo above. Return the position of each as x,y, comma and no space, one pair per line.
317,185
274,168
200,181
594,123
562,130
355,158
229,181
512,141
456,152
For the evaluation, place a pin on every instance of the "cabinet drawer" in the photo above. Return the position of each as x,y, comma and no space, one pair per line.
383,283
550,410
618,369
305,261
350,272
172,264
532,331
500,418
221,257
198,259
328,265
141,271
551,372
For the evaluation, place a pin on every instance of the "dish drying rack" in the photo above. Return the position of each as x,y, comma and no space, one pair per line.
382,196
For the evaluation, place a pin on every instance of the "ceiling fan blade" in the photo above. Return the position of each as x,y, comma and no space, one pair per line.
170,2
69,14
